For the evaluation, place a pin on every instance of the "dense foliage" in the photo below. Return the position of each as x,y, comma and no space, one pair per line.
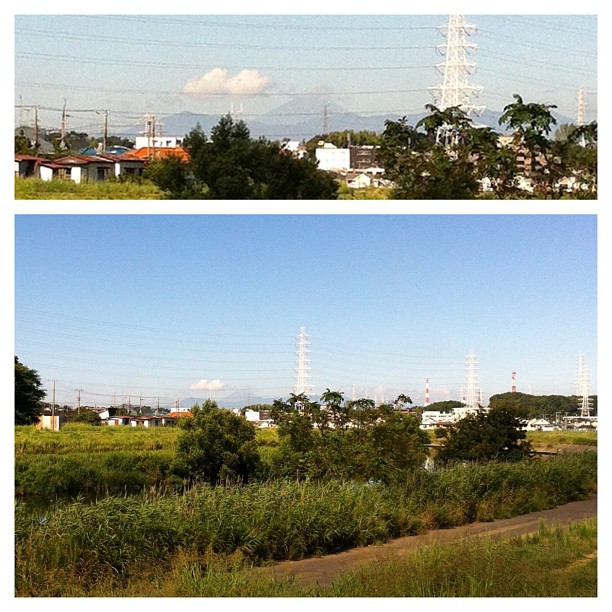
445,156
28,394
230,165
536,406
216,445
496,435
351,440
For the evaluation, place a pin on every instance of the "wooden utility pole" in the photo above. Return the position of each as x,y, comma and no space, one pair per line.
36,143
79,400
53,409
63,127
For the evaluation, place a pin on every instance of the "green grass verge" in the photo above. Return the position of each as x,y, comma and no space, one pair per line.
37,189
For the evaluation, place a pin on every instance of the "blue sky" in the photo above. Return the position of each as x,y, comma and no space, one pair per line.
152,305
382,63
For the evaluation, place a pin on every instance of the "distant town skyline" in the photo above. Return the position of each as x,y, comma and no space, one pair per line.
253,64
179,306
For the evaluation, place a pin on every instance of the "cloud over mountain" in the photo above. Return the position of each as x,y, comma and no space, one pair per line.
218,81
208,385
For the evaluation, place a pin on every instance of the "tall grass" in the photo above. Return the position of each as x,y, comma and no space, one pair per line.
85,543
550,563
55,475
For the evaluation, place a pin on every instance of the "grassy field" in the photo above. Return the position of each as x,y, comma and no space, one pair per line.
550,439
36,189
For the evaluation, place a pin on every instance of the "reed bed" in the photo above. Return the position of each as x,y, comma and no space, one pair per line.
55,475
89,545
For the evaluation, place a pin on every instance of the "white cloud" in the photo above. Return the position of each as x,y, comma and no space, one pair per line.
218,81
208,385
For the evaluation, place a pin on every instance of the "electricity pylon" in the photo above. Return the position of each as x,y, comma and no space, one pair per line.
455,89
302,384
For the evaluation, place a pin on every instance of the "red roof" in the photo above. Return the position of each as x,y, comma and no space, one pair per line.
29,158
176,415
156,153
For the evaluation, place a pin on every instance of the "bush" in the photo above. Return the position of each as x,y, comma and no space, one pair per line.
216,446
496,435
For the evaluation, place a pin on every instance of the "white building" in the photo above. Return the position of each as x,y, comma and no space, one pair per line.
331,157
430,419
158,142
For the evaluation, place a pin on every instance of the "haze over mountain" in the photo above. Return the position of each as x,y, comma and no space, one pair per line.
304,117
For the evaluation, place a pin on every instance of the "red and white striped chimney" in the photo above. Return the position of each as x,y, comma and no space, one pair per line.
427,392
513,382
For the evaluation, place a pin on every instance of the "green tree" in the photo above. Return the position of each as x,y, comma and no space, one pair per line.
216,446
231,165
532,122
436,165
171,175
23,145
89,417
448,126
496,435
398,447
28,394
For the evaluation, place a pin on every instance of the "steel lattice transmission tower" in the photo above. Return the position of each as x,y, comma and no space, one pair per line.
302,383
472,394
582,388
455,89
581,107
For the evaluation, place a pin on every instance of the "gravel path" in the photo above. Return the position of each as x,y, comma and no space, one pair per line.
323,571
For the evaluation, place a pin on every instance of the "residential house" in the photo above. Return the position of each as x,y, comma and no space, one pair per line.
27,165
87,168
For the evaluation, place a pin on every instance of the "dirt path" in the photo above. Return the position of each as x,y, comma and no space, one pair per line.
323,571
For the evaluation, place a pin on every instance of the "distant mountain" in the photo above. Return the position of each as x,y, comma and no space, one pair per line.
237,399
303,117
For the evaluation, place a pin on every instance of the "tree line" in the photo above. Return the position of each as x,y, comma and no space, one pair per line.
445,156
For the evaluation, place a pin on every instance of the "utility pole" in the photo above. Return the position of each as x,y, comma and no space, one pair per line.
36,143
63,127
104,114
53,408
150,133
79,400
